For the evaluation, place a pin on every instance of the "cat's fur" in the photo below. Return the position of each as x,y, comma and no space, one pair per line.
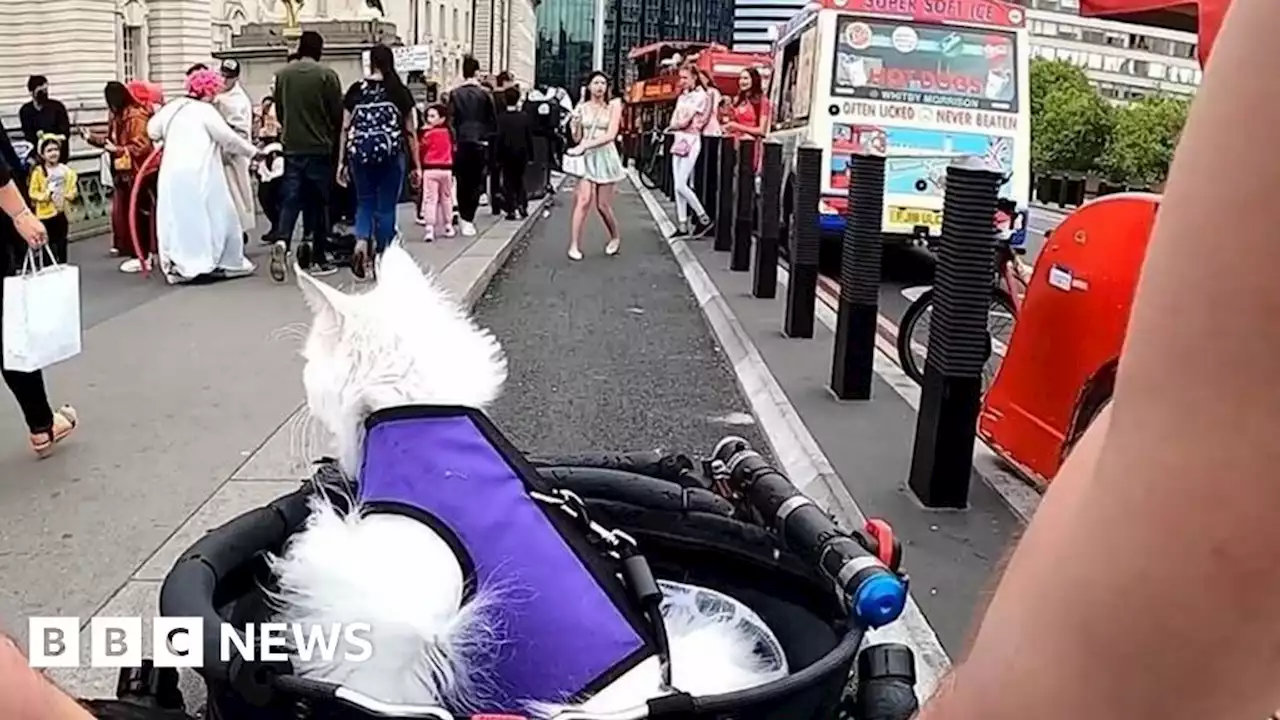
406,342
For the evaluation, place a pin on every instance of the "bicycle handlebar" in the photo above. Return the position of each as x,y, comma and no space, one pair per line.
877,595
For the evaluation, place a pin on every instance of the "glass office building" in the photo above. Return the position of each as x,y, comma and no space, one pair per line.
565,29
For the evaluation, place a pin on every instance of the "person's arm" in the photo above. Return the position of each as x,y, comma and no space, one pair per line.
334,101
25,694
349,100
137,139
609,135
158,123
411,145
29,228
62,120
227,139
278,95
575,124
1151,588
73,187
38,185
27,121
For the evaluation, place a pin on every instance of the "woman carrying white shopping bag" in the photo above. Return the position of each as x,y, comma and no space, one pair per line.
20,231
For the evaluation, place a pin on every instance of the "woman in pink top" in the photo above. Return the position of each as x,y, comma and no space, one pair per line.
750,112
687,123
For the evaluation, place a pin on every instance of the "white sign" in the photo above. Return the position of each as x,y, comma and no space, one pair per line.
409,58
116,642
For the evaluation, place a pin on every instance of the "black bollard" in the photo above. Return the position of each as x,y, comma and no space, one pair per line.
855,344
764,281
667,183
744,223
711,174
802,289
698,181
959,341
724,200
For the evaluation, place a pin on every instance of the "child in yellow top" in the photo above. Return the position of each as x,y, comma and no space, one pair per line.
52,186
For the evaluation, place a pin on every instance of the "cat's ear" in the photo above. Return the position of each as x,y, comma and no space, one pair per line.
397,270
325,301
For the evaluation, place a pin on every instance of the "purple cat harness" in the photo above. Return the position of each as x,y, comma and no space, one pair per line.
568,627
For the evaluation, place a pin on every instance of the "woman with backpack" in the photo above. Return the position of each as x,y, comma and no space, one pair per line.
377,141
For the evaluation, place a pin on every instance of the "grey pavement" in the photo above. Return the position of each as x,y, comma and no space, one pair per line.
189,401
951,556
609,353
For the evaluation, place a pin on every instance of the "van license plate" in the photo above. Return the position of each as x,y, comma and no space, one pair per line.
915,216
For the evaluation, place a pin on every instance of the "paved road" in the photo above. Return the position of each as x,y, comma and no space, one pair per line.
608,353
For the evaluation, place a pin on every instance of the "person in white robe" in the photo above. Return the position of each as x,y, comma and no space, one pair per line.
198,229
237,108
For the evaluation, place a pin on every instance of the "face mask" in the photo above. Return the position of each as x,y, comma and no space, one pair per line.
42,94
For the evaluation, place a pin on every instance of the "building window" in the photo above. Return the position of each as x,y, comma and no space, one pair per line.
131,52
440,27
455,23
426,18
466,26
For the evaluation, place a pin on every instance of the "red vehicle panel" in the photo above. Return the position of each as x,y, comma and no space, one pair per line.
1060,364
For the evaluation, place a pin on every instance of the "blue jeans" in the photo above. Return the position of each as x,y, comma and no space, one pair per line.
304,190
378,190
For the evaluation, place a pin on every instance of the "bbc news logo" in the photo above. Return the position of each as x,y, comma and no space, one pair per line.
118,642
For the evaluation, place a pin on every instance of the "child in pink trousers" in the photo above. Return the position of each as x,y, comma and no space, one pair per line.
435,150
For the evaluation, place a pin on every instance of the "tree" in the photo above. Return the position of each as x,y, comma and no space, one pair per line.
1142,141
1070,122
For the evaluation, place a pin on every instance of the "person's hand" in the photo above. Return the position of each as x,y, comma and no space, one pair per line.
415,179
575,150
343,177
110,146
31,229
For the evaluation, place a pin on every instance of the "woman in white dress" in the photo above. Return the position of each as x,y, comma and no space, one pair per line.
198,229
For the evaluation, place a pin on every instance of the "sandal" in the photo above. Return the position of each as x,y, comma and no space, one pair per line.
65,421
613,246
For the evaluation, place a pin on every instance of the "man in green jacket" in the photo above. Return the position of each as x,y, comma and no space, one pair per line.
309,106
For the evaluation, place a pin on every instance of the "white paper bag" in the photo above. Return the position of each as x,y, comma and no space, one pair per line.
41,323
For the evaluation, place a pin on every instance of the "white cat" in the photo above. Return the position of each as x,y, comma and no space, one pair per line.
407,342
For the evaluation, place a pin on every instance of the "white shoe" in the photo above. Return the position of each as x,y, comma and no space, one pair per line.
450,232
484,199
430,234
468,229
132,266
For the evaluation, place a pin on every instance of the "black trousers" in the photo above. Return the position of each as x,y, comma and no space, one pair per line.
269,198
468,167
496,185
58,228
514,197
27,388
306,191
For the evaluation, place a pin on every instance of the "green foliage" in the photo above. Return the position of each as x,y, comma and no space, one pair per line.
1070,122
1142,141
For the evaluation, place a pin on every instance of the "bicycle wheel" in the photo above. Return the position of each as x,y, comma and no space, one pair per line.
913,335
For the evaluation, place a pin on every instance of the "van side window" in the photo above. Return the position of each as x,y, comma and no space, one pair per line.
793,91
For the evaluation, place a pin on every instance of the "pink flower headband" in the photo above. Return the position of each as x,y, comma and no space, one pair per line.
205,84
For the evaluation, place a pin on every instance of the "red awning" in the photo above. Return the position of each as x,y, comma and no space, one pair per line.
1202,16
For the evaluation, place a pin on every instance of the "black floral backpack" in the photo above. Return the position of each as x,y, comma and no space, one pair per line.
376,126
